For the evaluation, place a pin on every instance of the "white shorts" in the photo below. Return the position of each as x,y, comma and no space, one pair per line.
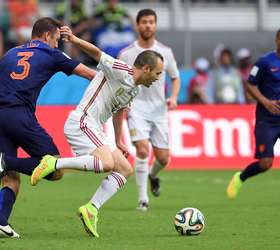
85,136
154,131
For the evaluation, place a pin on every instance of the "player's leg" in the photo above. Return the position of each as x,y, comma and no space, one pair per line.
108,187
256,168
160,143
139,129
95,155
114,181
8,193
141,173
89,212
14,125
40,144
266,136
160,162
98,161
29,135
20,128
10,188
91,162
92,149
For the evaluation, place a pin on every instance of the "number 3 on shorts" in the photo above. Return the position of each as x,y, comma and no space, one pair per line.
25,64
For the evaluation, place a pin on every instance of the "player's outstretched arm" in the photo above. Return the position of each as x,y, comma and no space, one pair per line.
87,47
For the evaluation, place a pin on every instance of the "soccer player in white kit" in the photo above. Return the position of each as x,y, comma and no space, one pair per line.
148,115
112,89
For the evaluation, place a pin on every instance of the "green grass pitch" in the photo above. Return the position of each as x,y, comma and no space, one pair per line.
45,215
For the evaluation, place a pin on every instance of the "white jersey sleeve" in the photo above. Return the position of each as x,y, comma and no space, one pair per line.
113,68
171,69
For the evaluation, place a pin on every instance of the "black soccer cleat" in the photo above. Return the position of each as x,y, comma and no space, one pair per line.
8,232
155,185
2,166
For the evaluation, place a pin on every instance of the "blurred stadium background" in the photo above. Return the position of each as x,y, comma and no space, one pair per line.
193,28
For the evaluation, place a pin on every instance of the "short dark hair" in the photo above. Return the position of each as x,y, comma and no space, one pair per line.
45,24
145,12
147,57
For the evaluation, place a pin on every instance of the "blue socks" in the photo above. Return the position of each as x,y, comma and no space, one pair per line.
21,165
7,200
251,170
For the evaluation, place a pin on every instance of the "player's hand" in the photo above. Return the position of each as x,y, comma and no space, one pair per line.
67,34
171,103
273,106
123,148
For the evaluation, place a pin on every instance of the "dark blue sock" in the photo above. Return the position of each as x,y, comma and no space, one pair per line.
21,165
7,200
251,170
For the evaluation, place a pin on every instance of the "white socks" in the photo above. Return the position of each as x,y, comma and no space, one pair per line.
157,166
141,176
84,163
109,186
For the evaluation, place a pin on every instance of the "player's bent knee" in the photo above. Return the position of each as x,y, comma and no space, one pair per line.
164,160
108,164
142,153
142,150
129,171
126,170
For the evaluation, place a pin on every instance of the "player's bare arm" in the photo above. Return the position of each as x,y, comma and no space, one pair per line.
172,100
117,122
271,105
84,71
87,47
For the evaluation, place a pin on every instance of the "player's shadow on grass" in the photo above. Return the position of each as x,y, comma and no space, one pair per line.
58,235
167,235
175,235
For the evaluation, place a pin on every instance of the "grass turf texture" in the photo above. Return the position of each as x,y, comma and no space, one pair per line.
45,215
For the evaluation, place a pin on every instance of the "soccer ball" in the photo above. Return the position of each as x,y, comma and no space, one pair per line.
189,221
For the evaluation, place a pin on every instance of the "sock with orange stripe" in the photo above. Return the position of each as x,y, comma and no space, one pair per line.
84,163
109,186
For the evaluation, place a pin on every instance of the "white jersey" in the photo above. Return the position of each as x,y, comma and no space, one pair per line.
151,101
111,89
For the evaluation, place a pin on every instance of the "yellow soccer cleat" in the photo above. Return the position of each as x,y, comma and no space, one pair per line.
46,167
88,214
234,186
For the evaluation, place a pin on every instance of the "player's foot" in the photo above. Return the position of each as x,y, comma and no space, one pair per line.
46,166
2,166
88,214
8,232
142,206
155,185
234,186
